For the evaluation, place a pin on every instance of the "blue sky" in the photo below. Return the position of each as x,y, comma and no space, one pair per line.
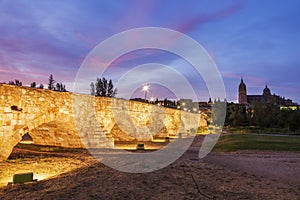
259,40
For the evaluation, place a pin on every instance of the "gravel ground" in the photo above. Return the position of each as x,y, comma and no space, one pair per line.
241,175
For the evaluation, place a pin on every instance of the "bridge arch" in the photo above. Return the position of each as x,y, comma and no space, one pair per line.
23,109
60,132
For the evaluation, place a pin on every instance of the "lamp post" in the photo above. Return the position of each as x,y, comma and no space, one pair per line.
145,89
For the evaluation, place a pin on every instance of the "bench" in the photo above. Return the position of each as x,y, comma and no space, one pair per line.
23,178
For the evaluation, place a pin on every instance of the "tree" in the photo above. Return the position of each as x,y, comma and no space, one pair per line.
62,87
98,86
103,88
51,82
218,112
16,82
111,92
92,88
58,87
41,86
265,114
33,84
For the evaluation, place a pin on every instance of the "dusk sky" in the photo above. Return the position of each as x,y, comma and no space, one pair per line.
258,40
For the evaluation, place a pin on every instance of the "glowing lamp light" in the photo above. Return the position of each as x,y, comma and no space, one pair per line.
146,88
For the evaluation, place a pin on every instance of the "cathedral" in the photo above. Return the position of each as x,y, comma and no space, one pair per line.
266,97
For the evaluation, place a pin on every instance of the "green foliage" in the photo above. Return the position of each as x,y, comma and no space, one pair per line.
237,142
262,115
104,88
218,111
237,115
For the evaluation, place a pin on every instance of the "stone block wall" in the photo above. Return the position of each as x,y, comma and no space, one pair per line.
78,120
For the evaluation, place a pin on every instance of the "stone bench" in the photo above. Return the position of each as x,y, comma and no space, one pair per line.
23,178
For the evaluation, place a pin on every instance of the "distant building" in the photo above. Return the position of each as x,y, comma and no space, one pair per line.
203,105
266,97
188,105
243,93
166,103
138,99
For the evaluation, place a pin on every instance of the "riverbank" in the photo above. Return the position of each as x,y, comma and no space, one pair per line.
229,175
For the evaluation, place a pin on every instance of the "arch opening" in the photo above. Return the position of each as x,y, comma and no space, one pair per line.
26,139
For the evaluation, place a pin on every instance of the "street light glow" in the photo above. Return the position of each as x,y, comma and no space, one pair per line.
146,88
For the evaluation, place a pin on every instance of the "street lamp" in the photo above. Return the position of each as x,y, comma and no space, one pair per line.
146,89
152,100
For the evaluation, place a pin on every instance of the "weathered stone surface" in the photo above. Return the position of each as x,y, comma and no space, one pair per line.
77,120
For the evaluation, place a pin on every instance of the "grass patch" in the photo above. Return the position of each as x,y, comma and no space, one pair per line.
235,142
256,129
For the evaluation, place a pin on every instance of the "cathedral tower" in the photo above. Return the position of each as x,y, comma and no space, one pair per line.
242,93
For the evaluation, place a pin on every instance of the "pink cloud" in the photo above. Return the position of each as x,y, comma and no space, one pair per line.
199,19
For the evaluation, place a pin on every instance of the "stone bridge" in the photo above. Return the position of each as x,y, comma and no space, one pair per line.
79,121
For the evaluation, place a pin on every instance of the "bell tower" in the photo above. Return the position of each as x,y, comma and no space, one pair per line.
242,93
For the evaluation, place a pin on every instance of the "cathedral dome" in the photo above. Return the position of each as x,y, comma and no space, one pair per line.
266,91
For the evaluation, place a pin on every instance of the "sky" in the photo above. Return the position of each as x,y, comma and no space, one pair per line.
256,40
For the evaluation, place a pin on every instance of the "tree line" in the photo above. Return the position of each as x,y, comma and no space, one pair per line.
56,87
101,87
262,115
52,84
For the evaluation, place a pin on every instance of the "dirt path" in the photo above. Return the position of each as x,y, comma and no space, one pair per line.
283,167
250,175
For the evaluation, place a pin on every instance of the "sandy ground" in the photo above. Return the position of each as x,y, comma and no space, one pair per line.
241,175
